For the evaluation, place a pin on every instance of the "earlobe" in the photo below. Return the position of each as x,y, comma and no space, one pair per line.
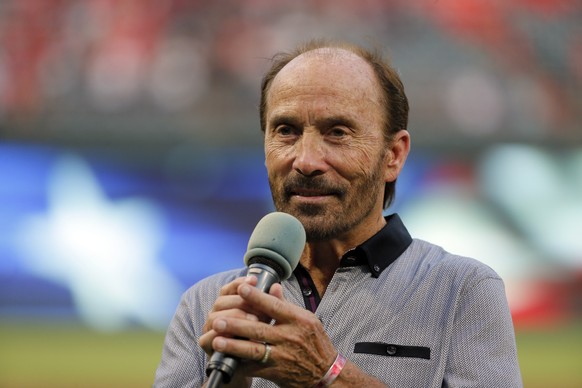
397,154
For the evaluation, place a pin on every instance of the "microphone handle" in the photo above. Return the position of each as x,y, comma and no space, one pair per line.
221,367
265,275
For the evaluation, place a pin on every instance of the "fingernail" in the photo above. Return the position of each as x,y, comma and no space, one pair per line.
219,344
220,324
245,290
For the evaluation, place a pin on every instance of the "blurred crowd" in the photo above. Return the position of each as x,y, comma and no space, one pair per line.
485,68
164,95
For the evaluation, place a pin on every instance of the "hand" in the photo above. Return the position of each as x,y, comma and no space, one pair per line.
301,351
228,304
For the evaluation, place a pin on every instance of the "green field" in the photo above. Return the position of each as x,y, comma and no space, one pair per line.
73,356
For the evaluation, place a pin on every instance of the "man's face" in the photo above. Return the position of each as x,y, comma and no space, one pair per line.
324,144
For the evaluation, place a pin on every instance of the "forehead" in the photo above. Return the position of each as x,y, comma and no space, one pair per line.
330,71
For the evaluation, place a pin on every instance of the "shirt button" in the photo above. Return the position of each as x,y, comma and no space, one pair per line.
307,292
391,350
376,268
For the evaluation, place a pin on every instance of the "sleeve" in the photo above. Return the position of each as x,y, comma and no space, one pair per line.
483,350
183,361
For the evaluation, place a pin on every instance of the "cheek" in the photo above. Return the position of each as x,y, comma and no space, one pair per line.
275,158
360,160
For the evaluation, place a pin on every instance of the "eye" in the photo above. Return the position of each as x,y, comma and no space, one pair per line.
338,132
285,130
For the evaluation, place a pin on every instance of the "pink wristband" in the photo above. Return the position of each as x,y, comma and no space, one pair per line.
332,373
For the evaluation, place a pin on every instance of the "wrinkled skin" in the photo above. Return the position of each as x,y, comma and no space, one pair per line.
297,338
324,146
327,162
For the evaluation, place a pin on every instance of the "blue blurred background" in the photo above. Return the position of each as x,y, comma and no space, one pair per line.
131,161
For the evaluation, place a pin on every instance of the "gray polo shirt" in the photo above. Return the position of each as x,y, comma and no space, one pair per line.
403,310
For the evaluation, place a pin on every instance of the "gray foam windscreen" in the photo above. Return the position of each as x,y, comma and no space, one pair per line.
278,237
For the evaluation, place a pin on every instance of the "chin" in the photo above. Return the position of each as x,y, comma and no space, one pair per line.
319,225
308,213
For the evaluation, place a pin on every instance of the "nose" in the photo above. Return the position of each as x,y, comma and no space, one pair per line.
310,157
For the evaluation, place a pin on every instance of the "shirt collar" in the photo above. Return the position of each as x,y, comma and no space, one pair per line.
382,249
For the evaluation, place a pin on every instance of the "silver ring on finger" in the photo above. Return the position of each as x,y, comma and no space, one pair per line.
267,354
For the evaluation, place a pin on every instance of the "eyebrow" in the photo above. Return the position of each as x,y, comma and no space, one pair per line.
277,120
326,122
333,121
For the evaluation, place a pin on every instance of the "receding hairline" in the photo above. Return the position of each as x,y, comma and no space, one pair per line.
333,50
393,96
340,53
385,76
332,56
329,51
332,46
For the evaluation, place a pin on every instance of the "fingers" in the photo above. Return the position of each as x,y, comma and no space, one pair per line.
206,339
243,349
242,328
277,291
229,300
231,306
231,288
232,302
228,304
298,344
234,311
272,305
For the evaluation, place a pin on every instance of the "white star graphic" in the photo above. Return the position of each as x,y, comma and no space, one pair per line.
104,252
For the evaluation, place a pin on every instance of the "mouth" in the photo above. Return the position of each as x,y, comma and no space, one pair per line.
313,196
309,193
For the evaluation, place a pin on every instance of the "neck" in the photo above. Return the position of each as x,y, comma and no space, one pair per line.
322,258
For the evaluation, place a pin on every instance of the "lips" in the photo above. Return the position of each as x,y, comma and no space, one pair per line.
310,192
298,186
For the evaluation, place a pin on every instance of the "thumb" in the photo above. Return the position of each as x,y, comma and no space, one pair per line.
277,291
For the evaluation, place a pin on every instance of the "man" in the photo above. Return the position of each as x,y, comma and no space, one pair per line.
368,305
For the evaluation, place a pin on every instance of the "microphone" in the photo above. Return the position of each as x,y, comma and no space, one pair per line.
273,252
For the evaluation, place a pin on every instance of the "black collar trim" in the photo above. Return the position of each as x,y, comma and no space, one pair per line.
382,249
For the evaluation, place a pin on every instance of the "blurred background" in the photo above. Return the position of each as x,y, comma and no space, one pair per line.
131,163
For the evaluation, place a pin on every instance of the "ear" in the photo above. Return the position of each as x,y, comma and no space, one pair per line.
396,155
